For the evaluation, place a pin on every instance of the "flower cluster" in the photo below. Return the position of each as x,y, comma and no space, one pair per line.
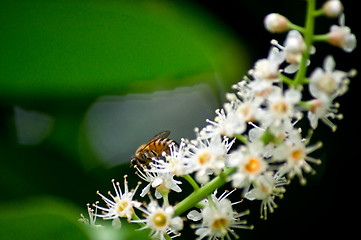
255,141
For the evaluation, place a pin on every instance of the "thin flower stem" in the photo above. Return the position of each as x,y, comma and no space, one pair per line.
296,27
286,79
165,199
203,192
321,37
318,12
135,217
191,181
242,138
308,36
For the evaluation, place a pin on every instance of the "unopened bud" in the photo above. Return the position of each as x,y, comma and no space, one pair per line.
276,23
332,8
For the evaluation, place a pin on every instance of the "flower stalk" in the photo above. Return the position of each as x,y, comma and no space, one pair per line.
254,142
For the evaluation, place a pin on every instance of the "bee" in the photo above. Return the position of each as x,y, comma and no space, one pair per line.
154,148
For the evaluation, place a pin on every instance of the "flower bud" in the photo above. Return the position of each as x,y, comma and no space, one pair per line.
343,38
332,8
276,23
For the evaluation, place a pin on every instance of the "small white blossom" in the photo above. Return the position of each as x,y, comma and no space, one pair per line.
162,181
281,106
249,162
218,218
327,82
207,156
120,206
160,220
92,218
268,68
266,187
295,153
323,109
294,47
227,122
177,163
341,36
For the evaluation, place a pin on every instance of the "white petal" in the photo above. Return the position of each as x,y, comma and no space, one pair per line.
157,181
145,190
329,64
177,223
194,215
293,96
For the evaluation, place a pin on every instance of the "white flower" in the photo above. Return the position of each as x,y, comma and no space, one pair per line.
276,23
281,106
268,69
294,46
219,219
296,156
92,218
249,162
341,36
207,156
327,82
121,205
227,122
266,187
177,163
162,181
160,220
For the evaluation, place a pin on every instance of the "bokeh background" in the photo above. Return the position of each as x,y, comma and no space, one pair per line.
84,83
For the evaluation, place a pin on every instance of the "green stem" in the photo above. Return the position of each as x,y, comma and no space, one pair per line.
321,37
318,12
242,138
165,199
286,79
135,217
203,192
308,35
296,27
191,182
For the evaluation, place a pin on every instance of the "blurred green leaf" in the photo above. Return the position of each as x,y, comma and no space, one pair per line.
61,49
49,218
41,218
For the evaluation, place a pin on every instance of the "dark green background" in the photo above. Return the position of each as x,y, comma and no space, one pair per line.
58,57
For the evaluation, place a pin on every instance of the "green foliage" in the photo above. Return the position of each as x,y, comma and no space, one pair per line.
56,58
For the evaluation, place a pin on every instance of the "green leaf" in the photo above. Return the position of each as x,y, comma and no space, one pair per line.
40,218
71,49
50,218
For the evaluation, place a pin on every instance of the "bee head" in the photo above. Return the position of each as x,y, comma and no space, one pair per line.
133,161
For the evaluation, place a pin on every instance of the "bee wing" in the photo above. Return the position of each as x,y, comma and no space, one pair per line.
160,135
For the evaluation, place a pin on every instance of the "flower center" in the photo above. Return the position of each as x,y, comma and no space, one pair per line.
252,165
204,158
327,84
220,224
297,154
122,206
159,220
280,107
